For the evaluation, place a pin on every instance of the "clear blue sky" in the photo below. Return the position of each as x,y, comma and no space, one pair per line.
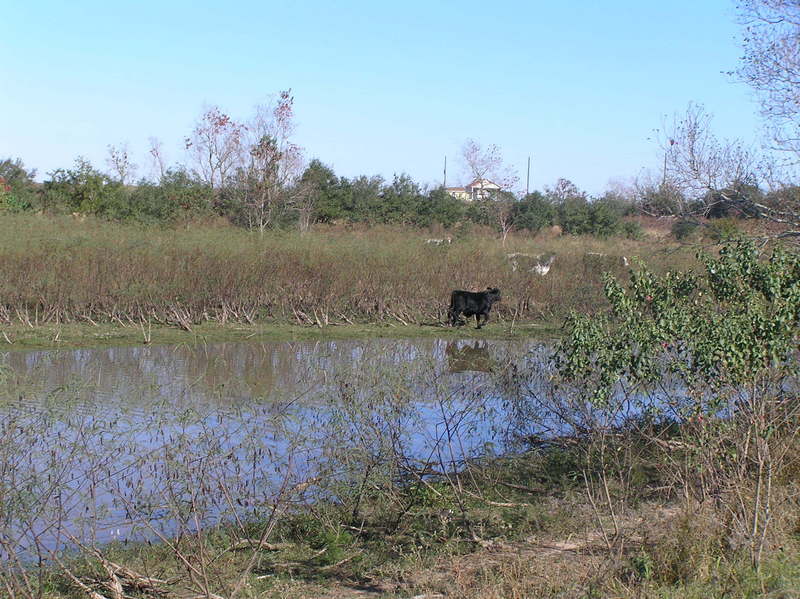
379,87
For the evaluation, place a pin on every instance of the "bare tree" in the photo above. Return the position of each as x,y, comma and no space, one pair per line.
504,216
487,163
267,180
564,190
156,153
723,173
655,195
702,166
120,164
771,66
215,147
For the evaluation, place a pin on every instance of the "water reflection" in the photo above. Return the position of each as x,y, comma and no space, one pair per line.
231,372
474,357
114,442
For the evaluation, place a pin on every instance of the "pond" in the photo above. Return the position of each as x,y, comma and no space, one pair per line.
98,445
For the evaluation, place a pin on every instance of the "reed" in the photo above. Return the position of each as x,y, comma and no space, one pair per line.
59,269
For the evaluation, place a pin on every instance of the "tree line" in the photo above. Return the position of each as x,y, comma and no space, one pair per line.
317,196
254,175
249,198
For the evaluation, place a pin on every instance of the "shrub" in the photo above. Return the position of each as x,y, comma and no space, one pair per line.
439,207
86,190
17,189
533,212
724,229
604,220
10,201
684,229
575,216
630,229
724,340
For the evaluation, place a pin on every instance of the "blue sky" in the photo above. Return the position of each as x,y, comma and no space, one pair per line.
379,87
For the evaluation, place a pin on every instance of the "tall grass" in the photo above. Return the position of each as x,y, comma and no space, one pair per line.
61,269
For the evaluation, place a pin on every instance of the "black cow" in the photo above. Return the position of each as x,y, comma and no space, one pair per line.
472,303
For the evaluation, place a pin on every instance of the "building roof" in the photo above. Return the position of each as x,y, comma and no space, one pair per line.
483,183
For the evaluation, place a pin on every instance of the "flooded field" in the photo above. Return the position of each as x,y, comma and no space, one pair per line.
150,442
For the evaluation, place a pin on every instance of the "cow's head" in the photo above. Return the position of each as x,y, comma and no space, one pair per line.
493,293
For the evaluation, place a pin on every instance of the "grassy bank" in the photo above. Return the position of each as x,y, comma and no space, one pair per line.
20,337
62,270
514,528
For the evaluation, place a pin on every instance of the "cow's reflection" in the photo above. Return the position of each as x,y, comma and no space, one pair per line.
464,357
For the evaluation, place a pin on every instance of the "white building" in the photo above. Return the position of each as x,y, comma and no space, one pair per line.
479,189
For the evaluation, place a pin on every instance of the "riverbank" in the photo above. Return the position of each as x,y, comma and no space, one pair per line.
20,337
55,270
510,534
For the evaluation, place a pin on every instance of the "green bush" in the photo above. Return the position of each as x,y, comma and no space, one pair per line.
85,190
534,212
175,196
684,229
725,343
631,230
17,188
604,220
575,216
724,229
11,201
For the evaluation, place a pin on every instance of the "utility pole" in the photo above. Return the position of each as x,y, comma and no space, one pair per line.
444,182
528,178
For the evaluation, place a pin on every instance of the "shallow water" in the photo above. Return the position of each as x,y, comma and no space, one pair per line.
138,442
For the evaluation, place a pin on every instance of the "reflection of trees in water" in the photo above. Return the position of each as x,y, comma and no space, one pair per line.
220,373
245,369
469,357
376,410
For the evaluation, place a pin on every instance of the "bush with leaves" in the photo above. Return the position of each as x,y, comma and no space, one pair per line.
17,188
534,212
684,229
630,229
439,207
713,353
86,190
177,194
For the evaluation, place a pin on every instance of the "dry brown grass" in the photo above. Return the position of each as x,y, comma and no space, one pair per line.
61,270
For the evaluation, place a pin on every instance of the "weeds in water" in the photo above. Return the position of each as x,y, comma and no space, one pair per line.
392,474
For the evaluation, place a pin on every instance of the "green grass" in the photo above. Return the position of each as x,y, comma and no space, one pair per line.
18,337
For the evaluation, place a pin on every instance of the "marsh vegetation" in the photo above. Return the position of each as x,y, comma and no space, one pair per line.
58,270
652,451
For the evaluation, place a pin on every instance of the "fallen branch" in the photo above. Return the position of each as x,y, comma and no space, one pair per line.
339,563
264,546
